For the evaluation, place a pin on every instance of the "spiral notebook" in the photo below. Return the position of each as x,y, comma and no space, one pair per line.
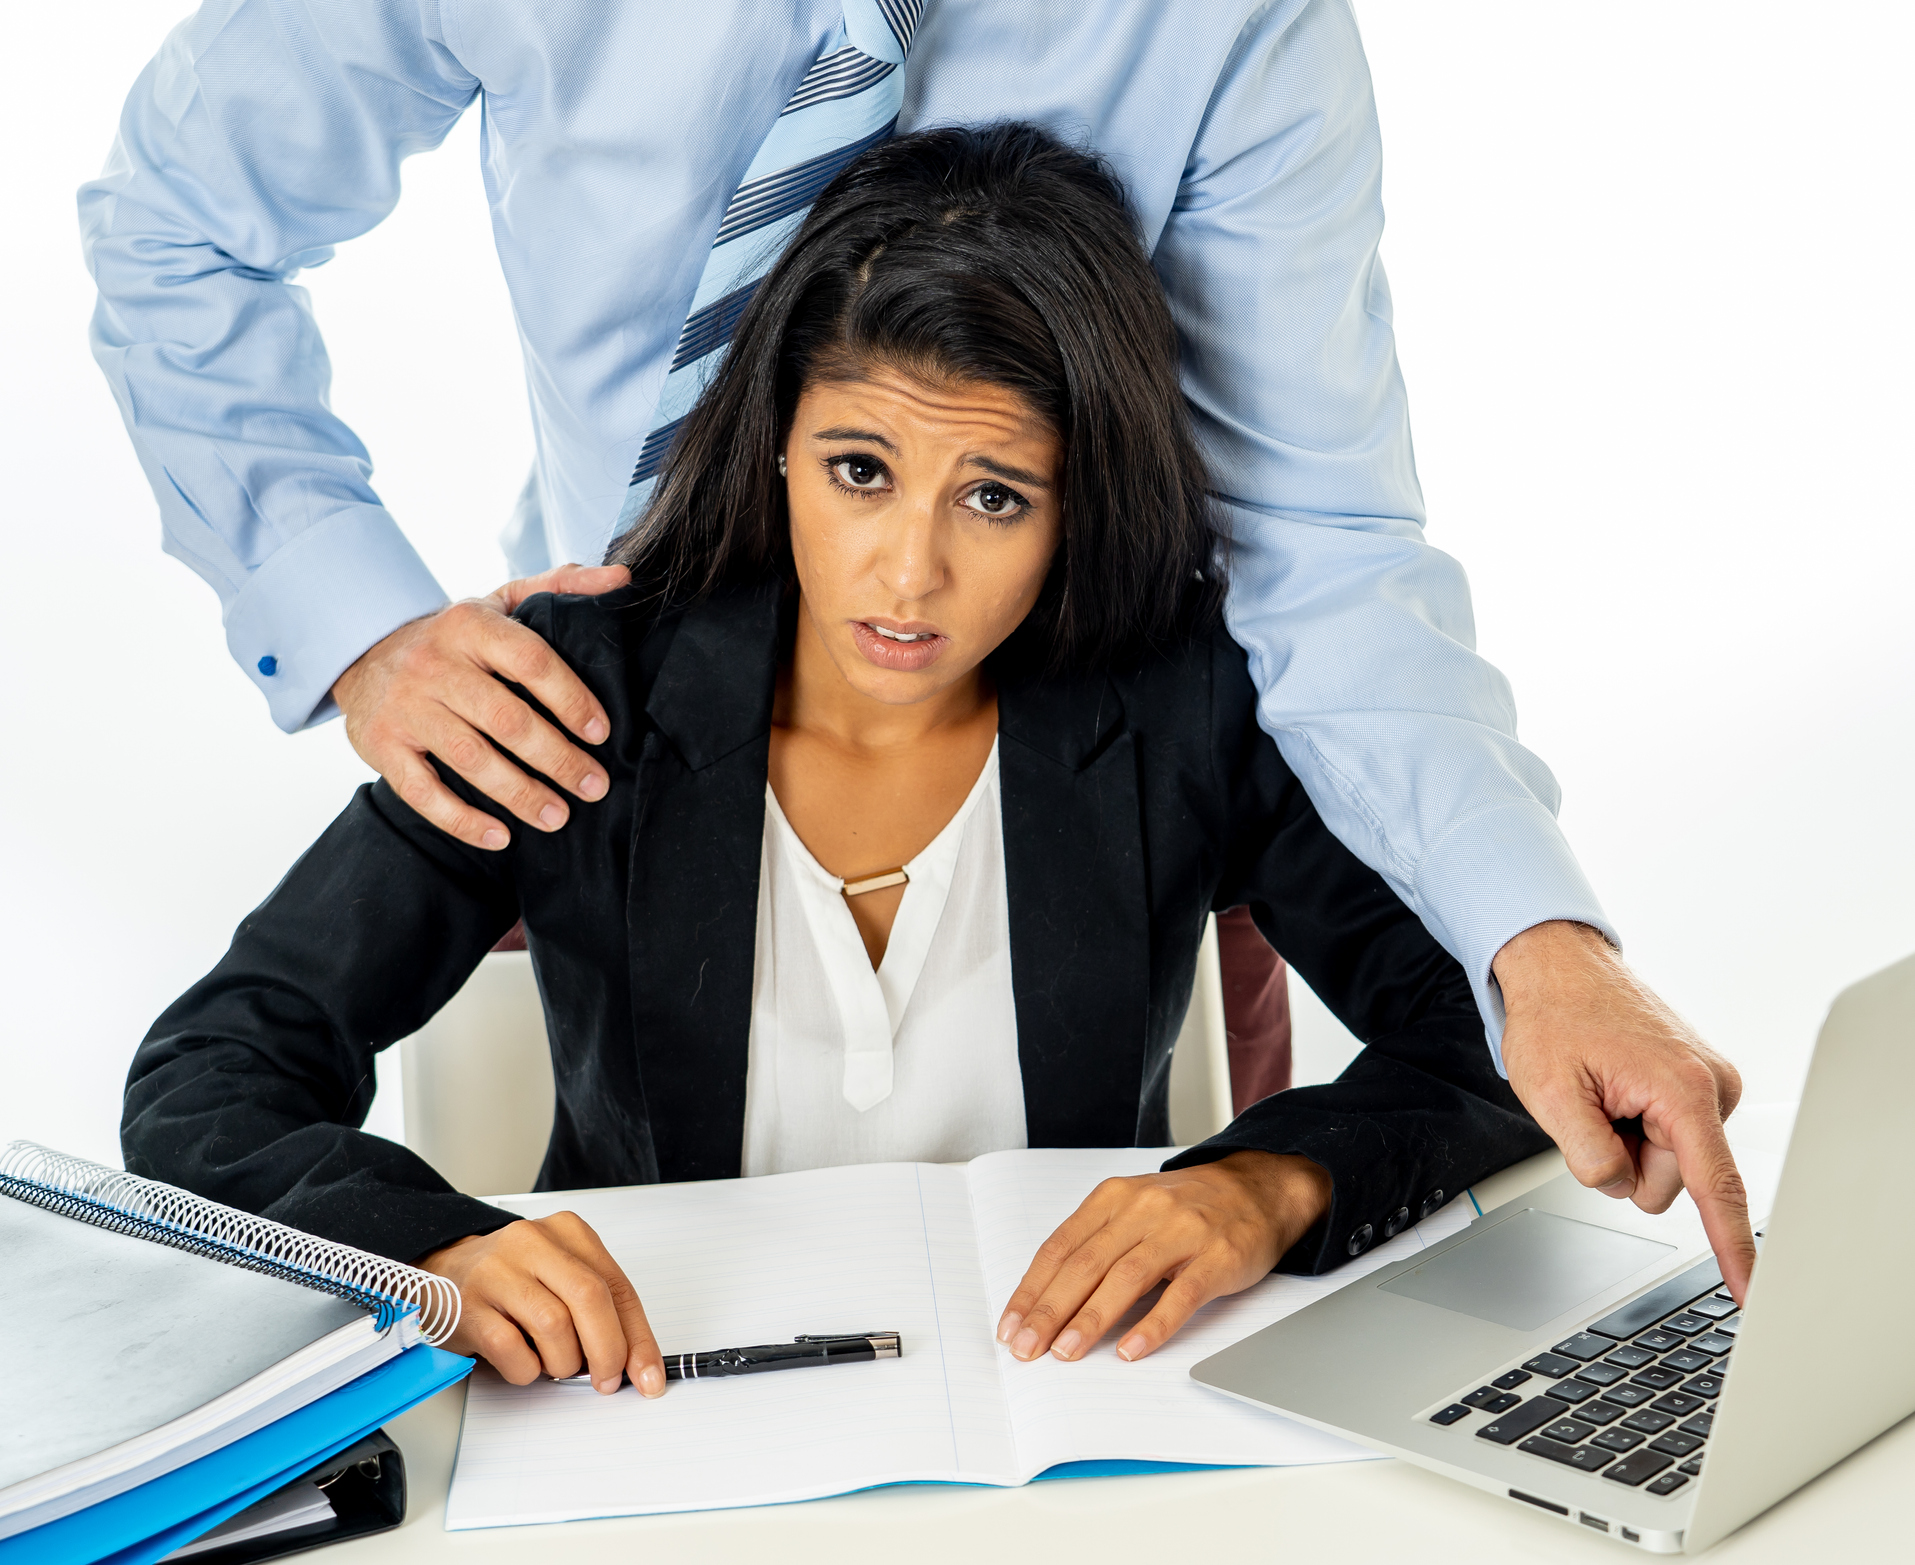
930,1251
142,1327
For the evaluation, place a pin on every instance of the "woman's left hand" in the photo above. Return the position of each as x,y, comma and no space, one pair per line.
1209,1231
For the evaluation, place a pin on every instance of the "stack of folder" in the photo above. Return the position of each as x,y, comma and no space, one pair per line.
182,1377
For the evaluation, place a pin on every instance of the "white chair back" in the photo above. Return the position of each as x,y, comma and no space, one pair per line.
478,1081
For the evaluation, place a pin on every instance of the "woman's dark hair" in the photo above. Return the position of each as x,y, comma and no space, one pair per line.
999,255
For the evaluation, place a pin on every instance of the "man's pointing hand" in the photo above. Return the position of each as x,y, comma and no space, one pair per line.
1587,1044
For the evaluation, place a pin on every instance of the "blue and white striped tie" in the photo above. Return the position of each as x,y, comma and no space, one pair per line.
848,101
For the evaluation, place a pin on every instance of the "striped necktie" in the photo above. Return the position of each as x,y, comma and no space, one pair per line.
847,102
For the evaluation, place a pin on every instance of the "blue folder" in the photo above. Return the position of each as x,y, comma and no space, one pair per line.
150,1521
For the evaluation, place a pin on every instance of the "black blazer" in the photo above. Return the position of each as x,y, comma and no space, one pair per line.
1134,803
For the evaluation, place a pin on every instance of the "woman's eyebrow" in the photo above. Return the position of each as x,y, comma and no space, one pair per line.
1017,475
845,432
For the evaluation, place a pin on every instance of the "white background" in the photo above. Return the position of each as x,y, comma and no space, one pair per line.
1651,273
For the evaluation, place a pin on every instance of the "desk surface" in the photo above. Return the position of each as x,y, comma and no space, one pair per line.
1355,1512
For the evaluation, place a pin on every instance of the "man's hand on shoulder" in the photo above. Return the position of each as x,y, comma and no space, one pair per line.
1587,1043
429,688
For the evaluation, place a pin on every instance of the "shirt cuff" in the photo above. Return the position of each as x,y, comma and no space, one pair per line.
1488,879
320,600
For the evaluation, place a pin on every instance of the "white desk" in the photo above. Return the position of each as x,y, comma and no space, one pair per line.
1352,1514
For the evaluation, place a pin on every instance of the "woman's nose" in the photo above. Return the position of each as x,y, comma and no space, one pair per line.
911,563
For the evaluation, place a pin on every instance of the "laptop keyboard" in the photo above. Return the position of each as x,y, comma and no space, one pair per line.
1632,1396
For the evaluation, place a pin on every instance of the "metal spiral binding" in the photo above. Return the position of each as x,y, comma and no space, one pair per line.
125,1203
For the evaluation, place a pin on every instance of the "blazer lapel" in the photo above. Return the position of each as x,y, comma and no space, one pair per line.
692,906
1080,924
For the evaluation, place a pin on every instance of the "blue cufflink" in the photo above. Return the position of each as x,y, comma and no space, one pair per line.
269,665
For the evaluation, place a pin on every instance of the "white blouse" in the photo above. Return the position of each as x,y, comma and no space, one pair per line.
913,1062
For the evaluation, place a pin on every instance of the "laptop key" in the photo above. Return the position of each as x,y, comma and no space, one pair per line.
1659,1341
1712,1342
1481,1395
1714,1307
1699,1426
1550,1364
1598,1410
1688,1361
1505,1400
1704,1386
1584,1346
1658,1302
1688,1323
1648,1421
1656,1378
1631,1357
1729,1327
1634,1469
1569,1430
1680,1403
1570,1390
1508,1428
1692,1467
1618,1440
1603,1374
1450,1414
1628,1396
1577,1456
1510,1381
1675,1444
1668,1483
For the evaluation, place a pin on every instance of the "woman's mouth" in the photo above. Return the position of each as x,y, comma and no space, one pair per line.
905,648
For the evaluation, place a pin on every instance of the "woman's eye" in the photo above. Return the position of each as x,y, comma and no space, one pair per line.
859,472
995,501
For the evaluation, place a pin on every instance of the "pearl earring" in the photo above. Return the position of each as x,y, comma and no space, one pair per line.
781,467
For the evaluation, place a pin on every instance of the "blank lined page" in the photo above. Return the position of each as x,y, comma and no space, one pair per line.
732,1263
1101,1407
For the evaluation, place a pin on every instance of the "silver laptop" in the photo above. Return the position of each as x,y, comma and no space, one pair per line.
1569,1352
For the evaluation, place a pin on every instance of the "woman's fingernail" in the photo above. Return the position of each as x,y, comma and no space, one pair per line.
596,730
1026,1343
591,785
494,839
1007,1328
608,1385
1620,1188
1132,1347
651,1380
1066,1346
551,817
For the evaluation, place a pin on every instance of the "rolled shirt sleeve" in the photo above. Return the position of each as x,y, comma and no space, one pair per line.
264,133
1360,633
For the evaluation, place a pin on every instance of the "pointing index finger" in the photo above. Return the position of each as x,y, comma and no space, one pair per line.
1715,1185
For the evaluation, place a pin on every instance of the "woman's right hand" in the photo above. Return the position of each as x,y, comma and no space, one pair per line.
543,1295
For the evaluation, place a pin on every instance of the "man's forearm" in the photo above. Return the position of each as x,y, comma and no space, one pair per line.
216,361
1403,736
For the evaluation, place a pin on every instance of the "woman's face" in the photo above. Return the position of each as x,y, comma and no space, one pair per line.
923,521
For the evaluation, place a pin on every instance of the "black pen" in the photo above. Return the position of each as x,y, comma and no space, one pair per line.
799,1353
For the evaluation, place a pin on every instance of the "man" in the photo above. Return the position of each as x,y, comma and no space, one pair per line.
640,160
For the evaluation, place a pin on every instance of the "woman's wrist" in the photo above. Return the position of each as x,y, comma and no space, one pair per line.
1292,1192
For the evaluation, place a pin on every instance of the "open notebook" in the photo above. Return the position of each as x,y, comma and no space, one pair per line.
932,1252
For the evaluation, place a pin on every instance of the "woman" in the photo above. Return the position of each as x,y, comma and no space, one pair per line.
928,758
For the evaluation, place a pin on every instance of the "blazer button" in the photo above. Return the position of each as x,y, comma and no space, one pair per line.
1396,1222
1360,1240
1432,1203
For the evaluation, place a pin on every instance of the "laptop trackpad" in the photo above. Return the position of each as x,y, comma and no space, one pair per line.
1528,1269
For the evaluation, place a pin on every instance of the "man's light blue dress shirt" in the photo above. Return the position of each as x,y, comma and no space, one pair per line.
267,131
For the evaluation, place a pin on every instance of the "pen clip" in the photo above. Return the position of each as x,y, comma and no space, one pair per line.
842,1336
